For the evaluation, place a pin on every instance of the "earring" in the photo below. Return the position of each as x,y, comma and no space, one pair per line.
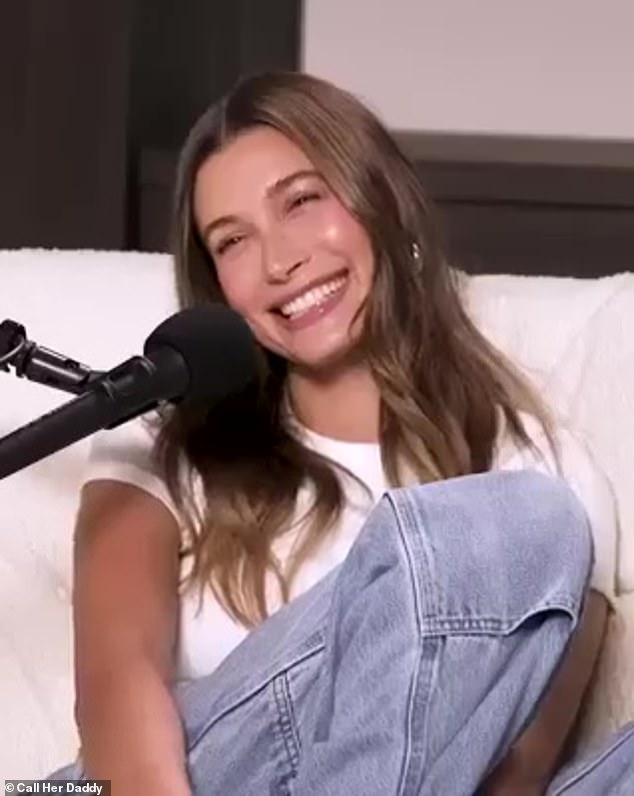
416,255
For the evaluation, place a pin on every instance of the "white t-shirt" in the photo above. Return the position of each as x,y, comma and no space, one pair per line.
208,634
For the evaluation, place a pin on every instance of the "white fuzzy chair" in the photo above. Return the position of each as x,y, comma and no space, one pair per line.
575,337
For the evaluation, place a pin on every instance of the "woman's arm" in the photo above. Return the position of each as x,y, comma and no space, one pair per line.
532,761
125,617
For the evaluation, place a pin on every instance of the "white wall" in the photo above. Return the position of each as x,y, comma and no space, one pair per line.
537,67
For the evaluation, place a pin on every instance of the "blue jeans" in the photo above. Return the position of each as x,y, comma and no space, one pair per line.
414,665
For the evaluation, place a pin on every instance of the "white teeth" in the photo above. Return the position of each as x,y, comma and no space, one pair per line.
311,298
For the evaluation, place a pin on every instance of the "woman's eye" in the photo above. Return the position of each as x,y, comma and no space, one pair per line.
303,198
227,243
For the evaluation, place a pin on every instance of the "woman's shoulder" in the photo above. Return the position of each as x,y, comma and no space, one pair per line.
127,454
566,452
130,444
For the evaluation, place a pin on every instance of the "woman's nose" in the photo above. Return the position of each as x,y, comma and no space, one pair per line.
281,259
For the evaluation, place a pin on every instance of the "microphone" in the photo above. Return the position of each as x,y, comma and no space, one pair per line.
198,356
39,364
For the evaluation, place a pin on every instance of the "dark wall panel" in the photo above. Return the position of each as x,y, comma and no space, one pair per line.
540,238
563,213
64,125
88,88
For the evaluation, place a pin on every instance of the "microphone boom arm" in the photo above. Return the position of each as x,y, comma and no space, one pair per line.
135,387
40,364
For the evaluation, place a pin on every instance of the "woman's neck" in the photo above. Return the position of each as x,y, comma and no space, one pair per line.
342,406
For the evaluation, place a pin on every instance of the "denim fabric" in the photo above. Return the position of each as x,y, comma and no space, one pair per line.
609,771
414,665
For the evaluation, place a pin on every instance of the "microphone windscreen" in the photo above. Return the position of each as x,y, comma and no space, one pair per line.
218,348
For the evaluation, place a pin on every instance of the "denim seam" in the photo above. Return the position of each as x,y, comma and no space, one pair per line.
262,685
418,713
291,713
285,720
449,625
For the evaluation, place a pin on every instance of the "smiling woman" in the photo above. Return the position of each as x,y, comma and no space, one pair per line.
287,253
387,506
291,185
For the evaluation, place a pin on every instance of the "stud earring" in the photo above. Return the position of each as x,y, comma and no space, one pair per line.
416,255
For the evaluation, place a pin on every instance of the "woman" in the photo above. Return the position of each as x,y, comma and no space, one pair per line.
251,614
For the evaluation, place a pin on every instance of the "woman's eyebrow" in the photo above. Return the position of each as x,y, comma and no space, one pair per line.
277,187
284,182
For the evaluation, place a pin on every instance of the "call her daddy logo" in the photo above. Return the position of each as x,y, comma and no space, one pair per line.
101,788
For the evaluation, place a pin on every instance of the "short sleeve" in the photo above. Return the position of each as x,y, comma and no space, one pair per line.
125,454
593,489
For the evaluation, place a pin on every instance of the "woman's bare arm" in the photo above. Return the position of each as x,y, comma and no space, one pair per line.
125,617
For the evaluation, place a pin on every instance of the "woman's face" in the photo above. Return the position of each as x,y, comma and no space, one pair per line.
290,258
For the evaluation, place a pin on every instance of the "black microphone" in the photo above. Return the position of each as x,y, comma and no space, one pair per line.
39,364
200,356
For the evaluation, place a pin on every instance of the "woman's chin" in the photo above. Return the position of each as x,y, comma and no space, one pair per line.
331,349
324,362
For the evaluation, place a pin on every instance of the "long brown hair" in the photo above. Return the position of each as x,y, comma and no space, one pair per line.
446,392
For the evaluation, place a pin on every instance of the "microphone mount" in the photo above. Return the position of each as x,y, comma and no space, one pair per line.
39,364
